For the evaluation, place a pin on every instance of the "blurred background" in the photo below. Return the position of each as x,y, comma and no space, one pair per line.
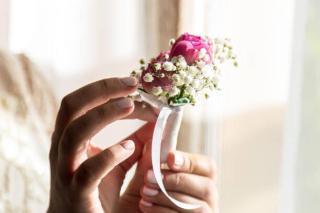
263,128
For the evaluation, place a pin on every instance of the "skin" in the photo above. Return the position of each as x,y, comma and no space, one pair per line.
85,178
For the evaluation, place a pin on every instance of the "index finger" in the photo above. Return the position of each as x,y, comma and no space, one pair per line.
88,97
191,163
140,137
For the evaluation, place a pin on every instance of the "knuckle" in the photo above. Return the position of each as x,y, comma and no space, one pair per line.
192,165
108,110
178,180
66,104
83,176
71,133
208,191
80,124
107,84
103,111
62,177
109,155
70,136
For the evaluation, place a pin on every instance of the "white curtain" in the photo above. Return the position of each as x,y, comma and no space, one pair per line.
300,167
250,110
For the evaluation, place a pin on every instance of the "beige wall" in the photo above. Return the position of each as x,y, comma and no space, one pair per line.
251,159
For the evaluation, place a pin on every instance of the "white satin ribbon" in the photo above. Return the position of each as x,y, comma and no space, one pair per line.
155,156
156,146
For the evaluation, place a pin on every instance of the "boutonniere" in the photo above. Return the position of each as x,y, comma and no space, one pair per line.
191,69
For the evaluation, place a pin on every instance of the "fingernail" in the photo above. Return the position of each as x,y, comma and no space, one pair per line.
145,203
178,160
129,145
124,103
150,177
129,81
149,192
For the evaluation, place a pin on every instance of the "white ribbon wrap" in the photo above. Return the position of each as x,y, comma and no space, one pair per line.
164,140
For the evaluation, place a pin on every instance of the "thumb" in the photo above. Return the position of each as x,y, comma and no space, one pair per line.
90,173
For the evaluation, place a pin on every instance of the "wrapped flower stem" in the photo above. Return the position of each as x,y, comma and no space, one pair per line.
170,134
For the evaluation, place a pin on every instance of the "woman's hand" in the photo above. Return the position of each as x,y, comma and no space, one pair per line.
190,180
80,183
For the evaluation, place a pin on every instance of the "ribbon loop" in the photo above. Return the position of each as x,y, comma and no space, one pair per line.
156,156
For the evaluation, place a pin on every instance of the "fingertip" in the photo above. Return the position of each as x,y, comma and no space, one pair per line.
129,81
124,103
125,106
144,204
176,160
128,145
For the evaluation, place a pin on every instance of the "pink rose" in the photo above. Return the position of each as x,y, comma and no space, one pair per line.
160,77
189,47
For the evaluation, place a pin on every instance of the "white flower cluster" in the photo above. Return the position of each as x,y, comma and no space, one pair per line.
190,81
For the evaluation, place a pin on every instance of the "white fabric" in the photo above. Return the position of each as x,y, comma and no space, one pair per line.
24,169
157,152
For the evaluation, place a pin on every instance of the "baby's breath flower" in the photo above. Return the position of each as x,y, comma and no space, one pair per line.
148,77
199,76
168,66
180,58
235,64
193,70
174,91
218,41
215,80
201,63
157,66
211,86
175,60
183,64
182,74
207,71
177,81
196,83
133,73
142,61
217,50
171,41
221,59
191,90
156,91
188,79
